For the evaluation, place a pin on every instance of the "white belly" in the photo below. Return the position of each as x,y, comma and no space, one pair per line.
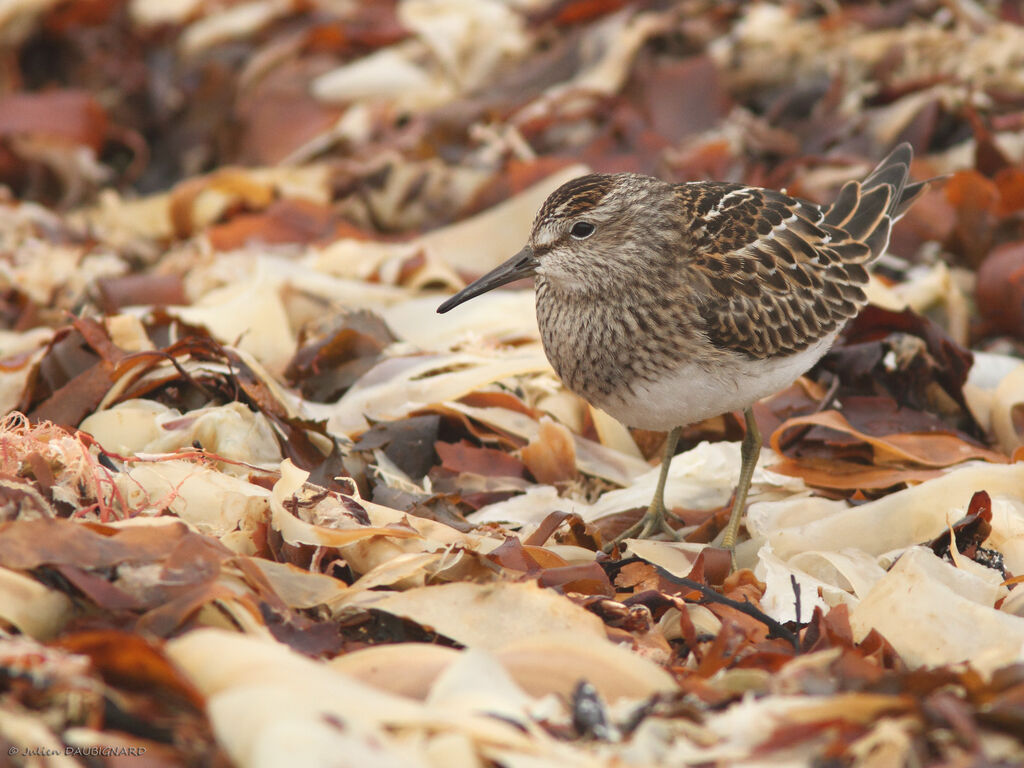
691,392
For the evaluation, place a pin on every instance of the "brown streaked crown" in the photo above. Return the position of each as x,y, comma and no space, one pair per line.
576,196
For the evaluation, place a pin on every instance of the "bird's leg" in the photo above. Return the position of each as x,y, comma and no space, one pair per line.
749,452
654,520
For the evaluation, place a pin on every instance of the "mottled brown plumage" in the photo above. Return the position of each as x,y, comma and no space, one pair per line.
666,303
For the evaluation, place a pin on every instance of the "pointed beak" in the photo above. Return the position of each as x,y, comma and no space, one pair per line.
523,264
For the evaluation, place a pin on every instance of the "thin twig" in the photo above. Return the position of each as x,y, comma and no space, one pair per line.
796,595
775,629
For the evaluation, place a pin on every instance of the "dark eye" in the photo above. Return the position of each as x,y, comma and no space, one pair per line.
582,229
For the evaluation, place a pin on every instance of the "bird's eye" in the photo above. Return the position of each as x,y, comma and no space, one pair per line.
582,229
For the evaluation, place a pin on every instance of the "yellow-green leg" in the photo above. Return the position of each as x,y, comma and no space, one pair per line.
749,452
654,519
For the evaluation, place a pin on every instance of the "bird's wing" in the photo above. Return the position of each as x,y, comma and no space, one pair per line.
779,273
774,276
776,273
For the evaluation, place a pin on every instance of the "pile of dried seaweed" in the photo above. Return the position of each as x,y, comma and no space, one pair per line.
260,505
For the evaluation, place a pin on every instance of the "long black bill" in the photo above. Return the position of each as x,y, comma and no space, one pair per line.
523,264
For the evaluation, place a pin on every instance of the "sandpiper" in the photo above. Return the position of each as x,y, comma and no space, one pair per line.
664,304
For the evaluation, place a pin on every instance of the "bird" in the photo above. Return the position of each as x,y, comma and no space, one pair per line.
667,303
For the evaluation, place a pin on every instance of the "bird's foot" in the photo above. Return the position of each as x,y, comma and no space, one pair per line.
654,521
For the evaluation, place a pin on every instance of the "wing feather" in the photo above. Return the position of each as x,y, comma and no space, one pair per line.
777,273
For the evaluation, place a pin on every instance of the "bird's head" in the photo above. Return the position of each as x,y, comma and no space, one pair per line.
586,233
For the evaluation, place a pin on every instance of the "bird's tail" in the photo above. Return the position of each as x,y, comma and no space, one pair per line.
867,209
